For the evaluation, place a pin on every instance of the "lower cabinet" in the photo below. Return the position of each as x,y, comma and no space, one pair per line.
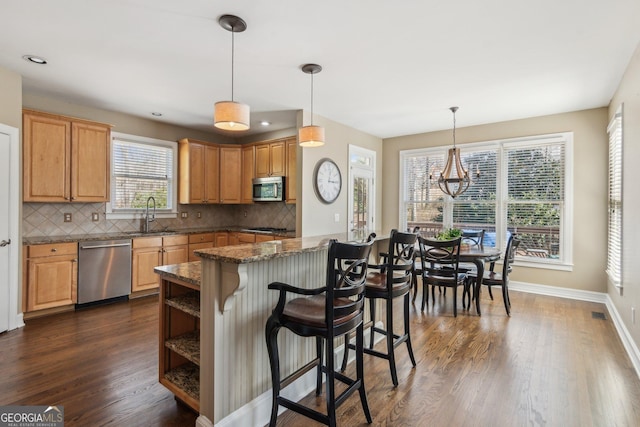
52,276
150,252
200,241
179,356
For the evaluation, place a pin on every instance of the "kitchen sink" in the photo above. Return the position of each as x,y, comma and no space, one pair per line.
150,233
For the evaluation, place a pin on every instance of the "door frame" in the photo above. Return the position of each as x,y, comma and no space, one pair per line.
15,226
364,152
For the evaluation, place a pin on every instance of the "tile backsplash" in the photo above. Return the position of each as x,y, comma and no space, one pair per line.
47,219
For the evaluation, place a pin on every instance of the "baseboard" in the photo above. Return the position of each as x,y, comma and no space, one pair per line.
258,411
600,297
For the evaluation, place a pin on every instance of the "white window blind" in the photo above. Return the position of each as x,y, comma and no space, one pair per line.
535,197
614,252
142,169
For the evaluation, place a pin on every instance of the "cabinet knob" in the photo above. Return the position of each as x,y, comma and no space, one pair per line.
54,250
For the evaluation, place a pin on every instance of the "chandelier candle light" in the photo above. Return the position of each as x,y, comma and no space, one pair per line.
311,136
454,179
231,115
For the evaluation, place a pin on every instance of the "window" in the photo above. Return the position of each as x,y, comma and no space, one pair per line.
614,244
519,186
142,168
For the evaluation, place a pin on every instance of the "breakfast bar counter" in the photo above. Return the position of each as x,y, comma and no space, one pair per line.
234,306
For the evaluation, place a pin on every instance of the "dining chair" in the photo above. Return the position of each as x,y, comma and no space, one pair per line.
492,278
325,313
392,280
440,267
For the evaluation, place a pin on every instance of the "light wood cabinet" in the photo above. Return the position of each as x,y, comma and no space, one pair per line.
65,159
200,241
222,238
150,252
51,276
270,159
179,355
230,174
263,238
246,237
199,174
233,239
248,173
291,170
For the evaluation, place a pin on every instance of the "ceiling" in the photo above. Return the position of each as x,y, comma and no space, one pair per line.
390,68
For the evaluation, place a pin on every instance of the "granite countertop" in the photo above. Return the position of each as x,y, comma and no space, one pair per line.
247,253
189,272
133,234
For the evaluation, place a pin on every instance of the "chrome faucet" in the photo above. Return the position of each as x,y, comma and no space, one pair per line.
149,218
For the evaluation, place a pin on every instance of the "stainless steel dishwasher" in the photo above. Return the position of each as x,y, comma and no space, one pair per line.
104,270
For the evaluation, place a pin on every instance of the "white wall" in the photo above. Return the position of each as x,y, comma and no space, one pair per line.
629,93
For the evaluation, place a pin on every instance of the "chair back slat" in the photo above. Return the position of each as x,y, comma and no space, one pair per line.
440,257
399,265
473,237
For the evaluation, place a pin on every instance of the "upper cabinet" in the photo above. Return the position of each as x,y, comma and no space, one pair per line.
65,159
199,172
248,172
291,171
230,174
270,159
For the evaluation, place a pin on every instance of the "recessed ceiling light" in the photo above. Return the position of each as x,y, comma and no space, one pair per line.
35,59
265,123
155,113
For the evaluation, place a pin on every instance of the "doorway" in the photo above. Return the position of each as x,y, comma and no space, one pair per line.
362,167
9,228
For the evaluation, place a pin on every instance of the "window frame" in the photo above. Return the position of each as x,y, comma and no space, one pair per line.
615,130
501,145
138,213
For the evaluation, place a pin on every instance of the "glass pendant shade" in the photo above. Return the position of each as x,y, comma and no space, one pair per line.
230,115
454,179
311,136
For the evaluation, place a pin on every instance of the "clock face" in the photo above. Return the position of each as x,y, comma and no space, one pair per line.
328,181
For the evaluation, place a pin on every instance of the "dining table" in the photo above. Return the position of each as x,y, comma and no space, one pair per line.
479,256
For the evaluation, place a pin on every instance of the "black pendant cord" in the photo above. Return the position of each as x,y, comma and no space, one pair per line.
312,98
233,49
454,129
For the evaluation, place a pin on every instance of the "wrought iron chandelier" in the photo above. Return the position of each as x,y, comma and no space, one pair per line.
454,179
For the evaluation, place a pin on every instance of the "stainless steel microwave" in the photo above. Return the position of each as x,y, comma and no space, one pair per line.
270,189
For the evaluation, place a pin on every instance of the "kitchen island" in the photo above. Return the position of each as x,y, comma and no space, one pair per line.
235,303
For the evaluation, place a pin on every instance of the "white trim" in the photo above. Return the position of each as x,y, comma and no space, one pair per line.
363,170
15,223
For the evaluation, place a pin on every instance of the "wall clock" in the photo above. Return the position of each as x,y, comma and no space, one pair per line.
327,180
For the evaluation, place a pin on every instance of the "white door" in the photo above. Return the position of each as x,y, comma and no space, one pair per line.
9,260
361,189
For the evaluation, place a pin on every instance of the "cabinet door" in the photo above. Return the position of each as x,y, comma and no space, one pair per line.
52,282
291,172
90,170
277,158
143,262
47,148
175,254
222,238
230,174
196,247
262,161
233,239
212,174
248,171
196,178
246,237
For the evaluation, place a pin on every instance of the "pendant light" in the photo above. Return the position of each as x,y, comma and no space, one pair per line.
311,136
231,115
454,179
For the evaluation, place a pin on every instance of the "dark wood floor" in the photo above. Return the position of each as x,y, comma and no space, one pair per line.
551,364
